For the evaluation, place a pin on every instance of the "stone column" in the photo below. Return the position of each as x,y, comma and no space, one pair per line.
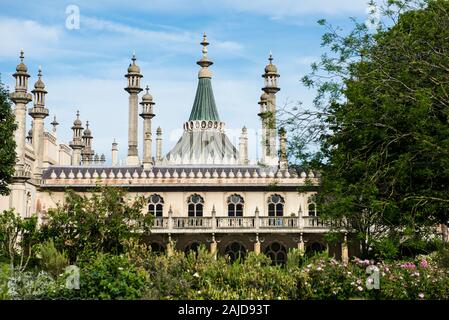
158,145
17,199
243,147
133,158
301,246
114,153
213,246
344,249
170,248
257,244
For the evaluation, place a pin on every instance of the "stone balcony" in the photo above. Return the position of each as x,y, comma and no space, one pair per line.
186,225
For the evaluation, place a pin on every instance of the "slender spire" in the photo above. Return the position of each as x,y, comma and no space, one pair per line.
204,107
204,62
54,123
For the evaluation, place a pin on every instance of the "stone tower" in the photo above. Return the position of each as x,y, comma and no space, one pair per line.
77,143
147,114
133,89
38,113
268,114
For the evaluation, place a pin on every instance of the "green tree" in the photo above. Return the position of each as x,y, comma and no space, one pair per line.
7,143
101,222
381,120
17,238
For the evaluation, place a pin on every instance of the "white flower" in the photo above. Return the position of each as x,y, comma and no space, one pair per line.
421,295
120,268
318,269
196,275
359,288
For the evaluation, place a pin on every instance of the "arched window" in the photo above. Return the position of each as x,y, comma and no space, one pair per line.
315,248
235,251
195,206
156,205
192,247
277,253
235,206
312,209
275,206
157,248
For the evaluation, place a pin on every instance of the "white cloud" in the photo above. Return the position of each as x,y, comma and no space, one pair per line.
34,37
272,8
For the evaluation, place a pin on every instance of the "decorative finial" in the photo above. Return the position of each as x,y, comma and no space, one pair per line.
21,55
147,88
204,62
134,57
78,114
54,123
87,124
39,72
271,57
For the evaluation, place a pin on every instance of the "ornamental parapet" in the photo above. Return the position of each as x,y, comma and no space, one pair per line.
204,125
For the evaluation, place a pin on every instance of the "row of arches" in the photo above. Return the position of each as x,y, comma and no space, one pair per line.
276,251
235,202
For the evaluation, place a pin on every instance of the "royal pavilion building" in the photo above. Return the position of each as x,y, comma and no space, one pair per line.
203,191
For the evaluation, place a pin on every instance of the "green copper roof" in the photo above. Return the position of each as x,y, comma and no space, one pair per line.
204,107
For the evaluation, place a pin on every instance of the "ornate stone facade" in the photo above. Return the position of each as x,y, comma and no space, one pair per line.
204,191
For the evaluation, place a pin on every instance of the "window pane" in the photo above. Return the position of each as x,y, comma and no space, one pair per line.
231,210
239,210
199,210
279,210
271,211
159,210
151,209
191,210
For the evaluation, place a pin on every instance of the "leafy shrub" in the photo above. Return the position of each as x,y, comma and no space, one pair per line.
106,276
27,285
4,277
51,260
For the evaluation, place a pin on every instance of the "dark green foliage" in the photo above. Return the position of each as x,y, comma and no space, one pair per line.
17,238
101,222
7,143
50,259
381,121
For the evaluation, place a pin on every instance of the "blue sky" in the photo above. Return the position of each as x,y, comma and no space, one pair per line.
84,68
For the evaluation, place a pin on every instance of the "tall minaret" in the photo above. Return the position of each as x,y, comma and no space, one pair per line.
268,115
114,153
87,153
147,114
77,143
38,113
133,89
283,161
20,97
243,147
158,145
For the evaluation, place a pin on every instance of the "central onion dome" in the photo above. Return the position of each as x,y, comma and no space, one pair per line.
204,140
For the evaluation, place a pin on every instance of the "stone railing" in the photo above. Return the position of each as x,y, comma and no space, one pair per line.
254,224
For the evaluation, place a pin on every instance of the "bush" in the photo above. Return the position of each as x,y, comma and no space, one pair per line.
106,276
27,285
51,260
